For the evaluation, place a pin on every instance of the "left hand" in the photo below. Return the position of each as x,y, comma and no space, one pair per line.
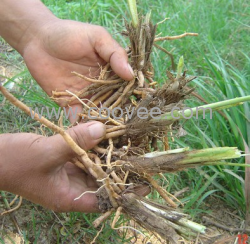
40,169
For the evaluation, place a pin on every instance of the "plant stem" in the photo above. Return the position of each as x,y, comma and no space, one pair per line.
192,225
210,155
226,164
180,67
161,153
188,113
133,12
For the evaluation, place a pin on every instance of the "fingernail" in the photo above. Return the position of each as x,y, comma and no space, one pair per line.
96,130
131,70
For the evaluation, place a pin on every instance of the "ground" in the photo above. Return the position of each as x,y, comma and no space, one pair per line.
44,227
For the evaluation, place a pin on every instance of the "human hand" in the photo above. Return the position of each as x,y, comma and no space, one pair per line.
63,46
40,170
52,48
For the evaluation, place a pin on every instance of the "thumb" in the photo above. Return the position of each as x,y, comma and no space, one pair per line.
109,50
85,135
88,135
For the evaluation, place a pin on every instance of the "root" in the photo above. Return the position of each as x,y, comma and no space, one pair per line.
160,191
102,98
111,147
175,37
165,142
102,218
117,215
108,160
100,150
13,201
115,128
112,194
104,72
59,94
137,92
103,91
97,81
64,96
98,233
94,112
125,177
115,134
169,54
126,90
114,97
13,209
88,192
79,164
141,79
162,21
12,216
95,158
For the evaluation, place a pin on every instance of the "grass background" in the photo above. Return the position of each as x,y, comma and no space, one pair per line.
219,57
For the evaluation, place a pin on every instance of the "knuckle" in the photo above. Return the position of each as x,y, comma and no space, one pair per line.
102,34
122,51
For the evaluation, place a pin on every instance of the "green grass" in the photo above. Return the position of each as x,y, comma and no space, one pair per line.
219,56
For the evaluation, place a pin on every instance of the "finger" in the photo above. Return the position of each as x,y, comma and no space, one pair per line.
75,174
82,191
88,135
88,203
79,201
142,190
109,50
85,135
91,181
